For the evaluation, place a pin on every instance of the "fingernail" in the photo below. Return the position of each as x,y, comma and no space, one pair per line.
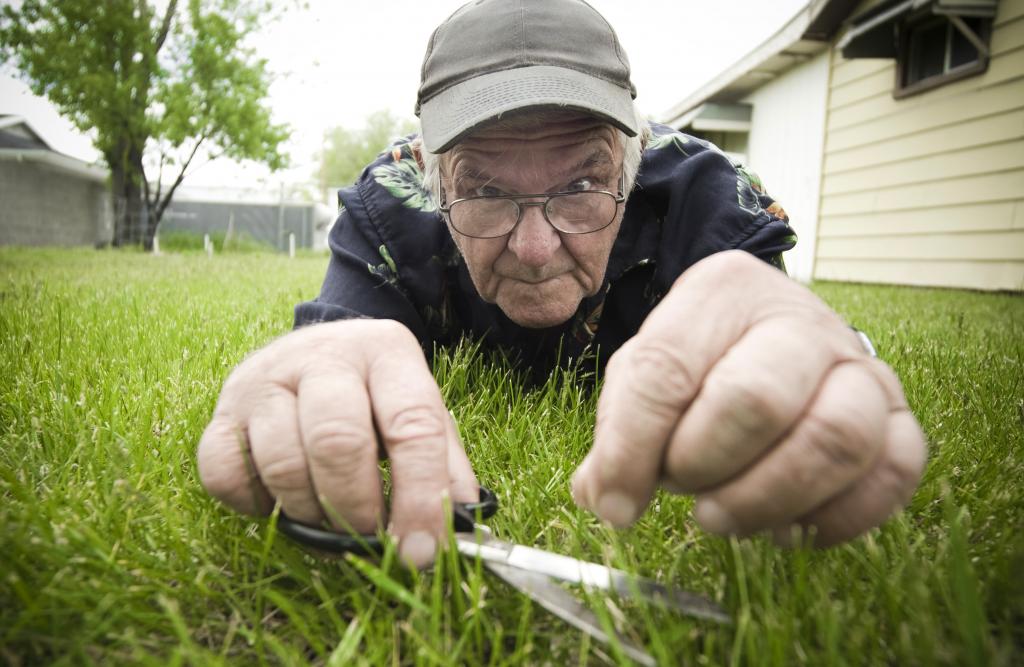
713,518
417,549
616,508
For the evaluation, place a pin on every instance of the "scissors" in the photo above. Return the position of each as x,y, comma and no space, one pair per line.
531,571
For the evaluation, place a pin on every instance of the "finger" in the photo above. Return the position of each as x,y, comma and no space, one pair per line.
464,485
341,447
647,385
886,488
652,379
834,444
226,468
279,456
413,423
756,391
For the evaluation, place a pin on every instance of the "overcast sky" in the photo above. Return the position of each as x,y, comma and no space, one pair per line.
334,63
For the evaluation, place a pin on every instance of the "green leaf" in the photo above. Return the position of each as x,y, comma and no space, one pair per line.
677,139
383,250
404,180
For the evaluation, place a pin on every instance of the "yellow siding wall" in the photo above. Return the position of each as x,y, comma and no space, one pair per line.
927,190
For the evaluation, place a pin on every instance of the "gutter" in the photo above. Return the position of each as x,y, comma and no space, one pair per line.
58,161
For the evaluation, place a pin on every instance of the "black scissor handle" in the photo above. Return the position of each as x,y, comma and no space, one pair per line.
465,513
463,518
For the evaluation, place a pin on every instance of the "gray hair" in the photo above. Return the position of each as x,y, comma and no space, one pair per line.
632,151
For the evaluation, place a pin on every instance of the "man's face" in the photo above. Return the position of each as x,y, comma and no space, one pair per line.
535,274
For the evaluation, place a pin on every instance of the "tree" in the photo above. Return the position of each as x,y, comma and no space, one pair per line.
346,152
156,87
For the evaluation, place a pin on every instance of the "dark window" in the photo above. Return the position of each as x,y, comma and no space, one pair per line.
935,51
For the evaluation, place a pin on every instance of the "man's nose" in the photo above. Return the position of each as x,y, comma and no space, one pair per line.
534,241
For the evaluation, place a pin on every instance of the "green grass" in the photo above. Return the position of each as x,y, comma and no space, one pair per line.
182,240
111,553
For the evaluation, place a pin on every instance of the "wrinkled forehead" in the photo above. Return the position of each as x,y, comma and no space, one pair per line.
550,137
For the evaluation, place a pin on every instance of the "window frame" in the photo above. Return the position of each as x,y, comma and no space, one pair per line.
920,21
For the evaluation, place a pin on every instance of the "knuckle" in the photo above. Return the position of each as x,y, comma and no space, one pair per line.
286,472
661,378
749,400
332,441
731,266
843,442
390,332
413,424
736,261
336,341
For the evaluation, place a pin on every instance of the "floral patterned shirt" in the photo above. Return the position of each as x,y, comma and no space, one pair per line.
392,256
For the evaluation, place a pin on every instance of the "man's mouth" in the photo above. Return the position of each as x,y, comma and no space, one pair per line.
533,279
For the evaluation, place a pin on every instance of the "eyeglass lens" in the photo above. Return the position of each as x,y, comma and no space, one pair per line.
575,213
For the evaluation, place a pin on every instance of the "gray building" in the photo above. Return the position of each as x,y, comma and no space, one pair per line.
46,197
256,214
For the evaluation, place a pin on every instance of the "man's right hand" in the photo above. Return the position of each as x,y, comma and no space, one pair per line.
305,419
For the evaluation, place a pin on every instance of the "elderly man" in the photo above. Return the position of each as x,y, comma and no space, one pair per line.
538,213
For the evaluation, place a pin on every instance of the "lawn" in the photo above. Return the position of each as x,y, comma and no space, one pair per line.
111,553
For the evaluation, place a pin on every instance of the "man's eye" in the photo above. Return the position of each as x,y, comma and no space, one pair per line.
582,185
487,191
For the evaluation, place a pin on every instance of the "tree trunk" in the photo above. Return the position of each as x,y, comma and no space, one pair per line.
117,192
152,221
136,180
134,211
126,174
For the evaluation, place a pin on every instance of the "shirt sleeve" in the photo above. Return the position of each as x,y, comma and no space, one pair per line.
712,205
362,278
770,234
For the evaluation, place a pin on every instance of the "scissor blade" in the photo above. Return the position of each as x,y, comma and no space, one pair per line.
593,575
541,590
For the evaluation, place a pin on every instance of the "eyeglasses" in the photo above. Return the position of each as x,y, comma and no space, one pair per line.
491,216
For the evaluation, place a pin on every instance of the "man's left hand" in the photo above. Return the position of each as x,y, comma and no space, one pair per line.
744,388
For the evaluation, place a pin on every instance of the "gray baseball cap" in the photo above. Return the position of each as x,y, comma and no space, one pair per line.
494,57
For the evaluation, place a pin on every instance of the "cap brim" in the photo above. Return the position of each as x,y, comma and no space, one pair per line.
456,112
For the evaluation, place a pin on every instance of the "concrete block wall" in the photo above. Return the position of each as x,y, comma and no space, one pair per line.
42,205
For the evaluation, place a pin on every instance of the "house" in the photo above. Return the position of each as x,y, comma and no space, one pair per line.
893,133
49,198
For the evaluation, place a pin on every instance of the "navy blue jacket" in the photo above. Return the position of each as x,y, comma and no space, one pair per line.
392,256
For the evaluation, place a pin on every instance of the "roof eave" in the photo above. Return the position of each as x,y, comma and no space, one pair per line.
805,35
